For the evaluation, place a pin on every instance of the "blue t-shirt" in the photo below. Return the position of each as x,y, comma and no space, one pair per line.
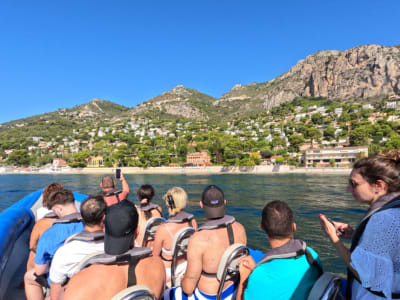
289,278
53,238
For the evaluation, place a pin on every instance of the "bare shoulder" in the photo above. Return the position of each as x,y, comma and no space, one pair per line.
240,232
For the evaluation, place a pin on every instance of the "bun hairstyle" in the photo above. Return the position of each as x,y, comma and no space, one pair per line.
145,194
385,167
175,199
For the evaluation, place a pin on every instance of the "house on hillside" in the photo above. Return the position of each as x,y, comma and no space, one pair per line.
95,161
59,163
198,159
340,157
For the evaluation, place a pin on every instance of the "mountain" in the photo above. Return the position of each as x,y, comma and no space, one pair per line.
364,72
178,102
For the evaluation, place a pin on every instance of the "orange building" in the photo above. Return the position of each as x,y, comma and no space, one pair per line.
198,159
59,163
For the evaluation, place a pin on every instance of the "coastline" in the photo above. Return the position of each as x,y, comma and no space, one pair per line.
211,170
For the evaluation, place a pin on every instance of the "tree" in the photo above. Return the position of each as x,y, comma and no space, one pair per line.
295,142
359,136
19,158
329,133
316,118
313,133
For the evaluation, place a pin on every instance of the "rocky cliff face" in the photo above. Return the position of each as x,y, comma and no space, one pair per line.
370,71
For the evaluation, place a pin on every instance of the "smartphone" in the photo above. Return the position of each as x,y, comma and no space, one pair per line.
118,173
338,230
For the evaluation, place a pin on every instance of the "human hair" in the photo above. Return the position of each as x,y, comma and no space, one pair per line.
61,197
385,167
47,191
277,220
175,200
93,209
107,182
145,192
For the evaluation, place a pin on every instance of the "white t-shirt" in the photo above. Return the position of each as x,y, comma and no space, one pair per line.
41,212
377,256
68,256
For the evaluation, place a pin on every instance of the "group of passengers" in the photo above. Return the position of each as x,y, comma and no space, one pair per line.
110,223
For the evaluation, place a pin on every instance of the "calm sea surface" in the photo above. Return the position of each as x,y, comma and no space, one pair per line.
246,195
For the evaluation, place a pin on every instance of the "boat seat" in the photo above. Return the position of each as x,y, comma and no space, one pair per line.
136,292
327,287
228,267
179,248
84,262
150,230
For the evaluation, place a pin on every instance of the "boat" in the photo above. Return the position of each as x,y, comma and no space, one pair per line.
16,223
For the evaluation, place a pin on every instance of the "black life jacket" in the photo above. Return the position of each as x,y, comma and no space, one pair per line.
130,257
148,208
112,193
226,222
181,217
71,218
87,236
394,203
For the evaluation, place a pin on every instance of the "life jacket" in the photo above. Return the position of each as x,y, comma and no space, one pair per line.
181,217
394,203
130,257
292,249
148,208
71,218
112,193
87,236
226,222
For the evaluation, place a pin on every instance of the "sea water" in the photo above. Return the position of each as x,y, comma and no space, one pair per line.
246,195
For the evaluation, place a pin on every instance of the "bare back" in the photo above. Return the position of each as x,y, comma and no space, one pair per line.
142,223
204,253
102,282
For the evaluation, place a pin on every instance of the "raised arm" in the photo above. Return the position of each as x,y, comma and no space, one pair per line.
125,185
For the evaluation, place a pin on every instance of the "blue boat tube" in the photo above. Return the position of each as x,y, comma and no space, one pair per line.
16,223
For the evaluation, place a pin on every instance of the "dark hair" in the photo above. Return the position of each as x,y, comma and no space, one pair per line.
92,210
277,220
146,191
47,191
385,167
62,197
107,182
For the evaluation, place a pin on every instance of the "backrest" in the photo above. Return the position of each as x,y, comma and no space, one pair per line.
150,229
136,292
228,267
179,247
327,287
84,262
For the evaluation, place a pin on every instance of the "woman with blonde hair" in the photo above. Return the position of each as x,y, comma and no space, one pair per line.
176,200
373,261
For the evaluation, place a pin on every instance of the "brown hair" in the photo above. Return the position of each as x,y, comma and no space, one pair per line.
147,192
48,190
92,210
62,197
277,220
385,167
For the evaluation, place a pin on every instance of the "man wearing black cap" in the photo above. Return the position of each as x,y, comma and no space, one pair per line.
206,247
102,282
111,195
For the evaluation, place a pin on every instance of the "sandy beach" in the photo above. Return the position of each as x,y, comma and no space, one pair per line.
212,170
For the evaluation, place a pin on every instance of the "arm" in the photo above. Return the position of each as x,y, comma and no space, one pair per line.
246,266
41,269
331,232
56,291
194,266
125,185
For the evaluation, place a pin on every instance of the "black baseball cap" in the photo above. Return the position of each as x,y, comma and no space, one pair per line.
213,202
120,226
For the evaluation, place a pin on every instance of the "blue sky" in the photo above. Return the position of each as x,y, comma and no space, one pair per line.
56,54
